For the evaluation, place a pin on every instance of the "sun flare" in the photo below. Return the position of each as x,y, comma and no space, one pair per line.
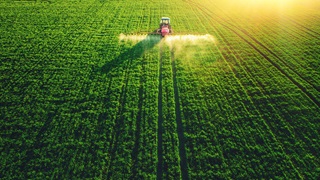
265,6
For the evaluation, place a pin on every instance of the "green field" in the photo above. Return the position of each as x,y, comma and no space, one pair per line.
233,93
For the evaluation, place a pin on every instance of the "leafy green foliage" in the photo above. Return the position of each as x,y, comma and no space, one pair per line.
86,93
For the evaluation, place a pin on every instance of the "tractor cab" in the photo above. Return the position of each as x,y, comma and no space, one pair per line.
165,21
165,27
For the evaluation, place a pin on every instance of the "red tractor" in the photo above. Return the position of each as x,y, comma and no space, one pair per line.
165,27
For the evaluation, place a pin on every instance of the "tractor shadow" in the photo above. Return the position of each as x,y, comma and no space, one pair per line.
132,53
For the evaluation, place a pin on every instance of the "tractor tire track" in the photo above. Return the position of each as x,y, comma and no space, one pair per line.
295,34
307,30
180,131
160,119
275,64
262,45
295,82
287,32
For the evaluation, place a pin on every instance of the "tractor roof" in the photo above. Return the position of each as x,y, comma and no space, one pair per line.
165,18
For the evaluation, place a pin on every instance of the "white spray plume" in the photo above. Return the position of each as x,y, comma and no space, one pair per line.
169,39
183,46
137,38
189,38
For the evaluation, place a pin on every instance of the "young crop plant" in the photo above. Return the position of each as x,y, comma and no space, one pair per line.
91,90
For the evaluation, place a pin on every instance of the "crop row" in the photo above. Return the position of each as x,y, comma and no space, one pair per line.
81,97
